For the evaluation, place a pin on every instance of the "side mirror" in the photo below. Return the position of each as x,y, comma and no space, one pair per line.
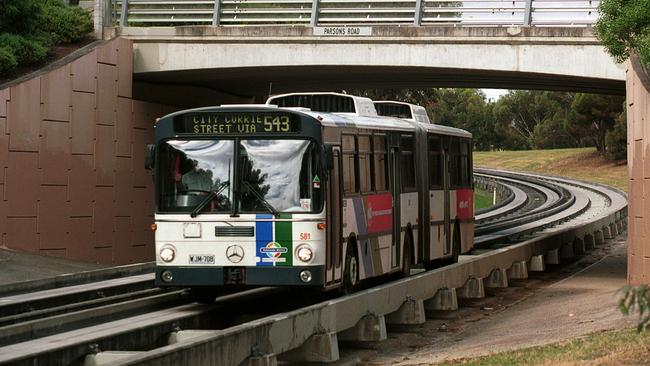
150,156
327,158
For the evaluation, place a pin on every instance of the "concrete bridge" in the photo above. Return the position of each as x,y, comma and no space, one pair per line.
250,61
242,50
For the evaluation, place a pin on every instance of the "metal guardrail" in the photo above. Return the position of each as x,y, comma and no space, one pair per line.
355,13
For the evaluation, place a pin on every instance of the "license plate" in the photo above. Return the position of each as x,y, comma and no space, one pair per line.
201,258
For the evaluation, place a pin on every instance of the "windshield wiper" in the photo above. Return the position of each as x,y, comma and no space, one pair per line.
257,194
208,199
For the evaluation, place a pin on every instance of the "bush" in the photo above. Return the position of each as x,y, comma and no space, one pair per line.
65,24
636,299
7,61
25,51
616,139
29,27
624,27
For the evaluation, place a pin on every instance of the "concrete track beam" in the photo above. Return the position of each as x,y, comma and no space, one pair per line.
498,278
607,233
265,360
590,243
552,256
370,328
599,238
518,271
566,251
186,335
579,247
107,358
537,264
444,300
472,289
322,347
410,313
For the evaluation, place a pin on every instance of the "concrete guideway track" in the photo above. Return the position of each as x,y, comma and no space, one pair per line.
311,333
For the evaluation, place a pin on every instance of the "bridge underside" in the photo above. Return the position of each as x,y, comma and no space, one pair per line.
257,82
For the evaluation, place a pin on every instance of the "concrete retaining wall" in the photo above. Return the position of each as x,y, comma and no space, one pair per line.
72,152
638,139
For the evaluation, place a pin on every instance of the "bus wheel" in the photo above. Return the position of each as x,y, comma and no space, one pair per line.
204,295
406,257
350,272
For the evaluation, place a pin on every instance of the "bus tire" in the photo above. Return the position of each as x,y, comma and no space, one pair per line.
204,294
351,269
406,257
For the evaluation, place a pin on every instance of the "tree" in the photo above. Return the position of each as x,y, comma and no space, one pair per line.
624,28
597,112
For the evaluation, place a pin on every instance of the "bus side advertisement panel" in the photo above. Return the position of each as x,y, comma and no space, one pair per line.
379,212
465,204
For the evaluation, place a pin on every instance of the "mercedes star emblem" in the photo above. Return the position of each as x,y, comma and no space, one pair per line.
235,253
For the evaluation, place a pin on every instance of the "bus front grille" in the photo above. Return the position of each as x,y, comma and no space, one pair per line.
235,231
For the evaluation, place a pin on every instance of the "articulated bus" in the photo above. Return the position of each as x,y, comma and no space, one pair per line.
311,189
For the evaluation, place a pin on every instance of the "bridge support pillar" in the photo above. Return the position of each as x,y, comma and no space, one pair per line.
614,229
498,278
472,289
566,251
590,244
322,347
607,233
444,300
537,264
370,328
599,239
552,256
518,271
265,360
107,358
579,246
410,313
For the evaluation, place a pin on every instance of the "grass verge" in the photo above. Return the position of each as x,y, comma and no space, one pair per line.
620,347
482,198
584,163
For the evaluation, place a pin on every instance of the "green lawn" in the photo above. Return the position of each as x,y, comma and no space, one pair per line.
584,163
620,347
482,199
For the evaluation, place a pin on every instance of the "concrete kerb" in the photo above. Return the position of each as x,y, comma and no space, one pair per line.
287,331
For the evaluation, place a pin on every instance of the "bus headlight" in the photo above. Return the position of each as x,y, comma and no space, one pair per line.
304,253
167,253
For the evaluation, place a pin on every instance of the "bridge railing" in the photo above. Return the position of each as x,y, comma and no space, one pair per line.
352,12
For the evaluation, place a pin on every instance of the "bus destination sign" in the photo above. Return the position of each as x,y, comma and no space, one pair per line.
210,123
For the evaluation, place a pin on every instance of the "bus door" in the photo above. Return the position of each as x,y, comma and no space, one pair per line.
333,204
394,173
446,162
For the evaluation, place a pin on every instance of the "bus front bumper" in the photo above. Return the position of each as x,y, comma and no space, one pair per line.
171,276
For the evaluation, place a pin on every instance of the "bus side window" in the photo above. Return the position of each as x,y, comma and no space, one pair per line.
435,163
365,175
465,172
454,164
407,175
380,162
349,164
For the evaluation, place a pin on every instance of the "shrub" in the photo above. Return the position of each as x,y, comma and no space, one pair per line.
7,61
20,16
65,24
616,139
26,51
624,27
636,299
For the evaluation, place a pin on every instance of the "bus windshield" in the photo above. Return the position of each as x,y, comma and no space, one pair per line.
274,176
